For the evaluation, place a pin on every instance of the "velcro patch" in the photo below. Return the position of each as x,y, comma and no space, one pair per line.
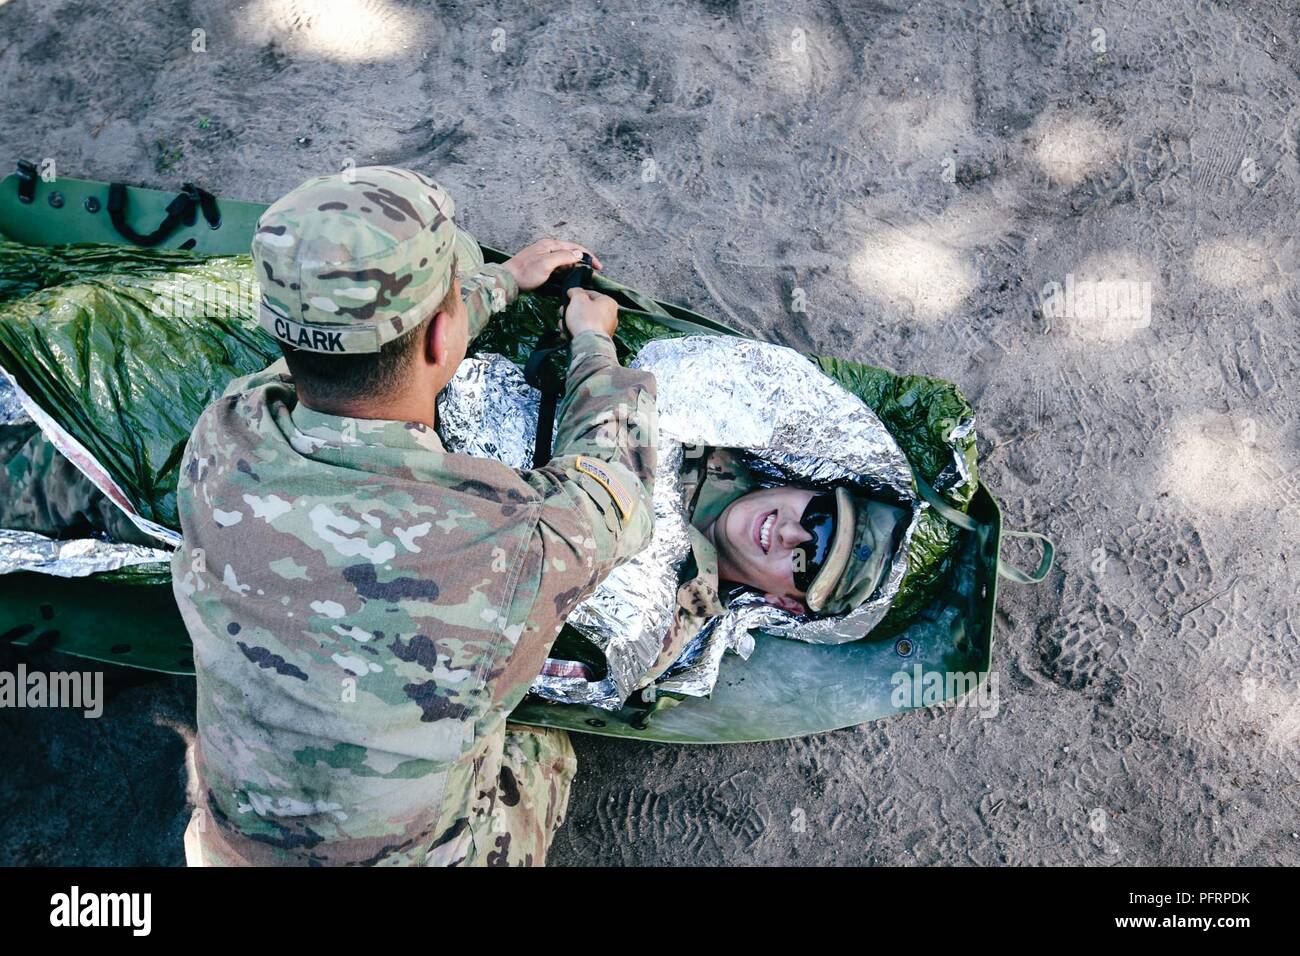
598,471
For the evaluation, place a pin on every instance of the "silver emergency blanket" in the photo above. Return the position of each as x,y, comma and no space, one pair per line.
11,406
713,391
803,427
76,558
488,410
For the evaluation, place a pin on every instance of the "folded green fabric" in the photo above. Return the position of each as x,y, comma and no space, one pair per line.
125,348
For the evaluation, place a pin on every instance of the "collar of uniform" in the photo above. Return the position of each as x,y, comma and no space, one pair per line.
720,478
341,430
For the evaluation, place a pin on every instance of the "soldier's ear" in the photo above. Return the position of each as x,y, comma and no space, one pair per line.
439,340
429,346
444,339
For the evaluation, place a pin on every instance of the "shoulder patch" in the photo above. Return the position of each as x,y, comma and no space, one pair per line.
597,470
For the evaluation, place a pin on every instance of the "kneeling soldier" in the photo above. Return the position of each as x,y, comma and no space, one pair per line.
366,608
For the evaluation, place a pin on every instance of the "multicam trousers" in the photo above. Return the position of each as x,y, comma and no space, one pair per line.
513,821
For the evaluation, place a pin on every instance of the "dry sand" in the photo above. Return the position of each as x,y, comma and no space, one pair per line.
918,173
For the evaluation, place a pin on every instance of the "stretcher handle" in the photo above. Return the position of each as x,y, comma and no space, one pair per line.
179,210
966,522
1012,573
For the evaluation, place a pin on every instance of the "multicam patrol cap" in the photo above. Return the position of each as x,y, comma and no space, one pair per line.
861,550
349,262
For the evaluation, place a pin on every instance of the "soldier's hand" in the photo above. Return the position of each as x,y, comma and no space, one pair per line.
533,266
591,310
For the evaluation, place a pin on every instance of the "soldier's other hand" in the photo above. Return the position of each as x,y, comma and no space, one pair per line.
591,310
533,266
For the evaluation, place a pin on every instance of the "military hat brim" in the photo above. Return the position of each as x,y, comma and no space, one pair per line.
837,558
861,554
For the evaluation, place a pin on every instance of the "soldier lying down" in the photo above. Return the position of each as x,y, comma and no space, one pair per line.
803,550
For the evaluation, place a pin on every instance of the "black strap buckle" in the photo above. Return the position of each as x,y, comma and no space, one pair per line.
27,174
577,276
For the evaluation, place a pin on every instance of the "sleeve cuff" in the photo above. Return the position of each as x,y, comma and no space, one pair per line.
589,341
501,276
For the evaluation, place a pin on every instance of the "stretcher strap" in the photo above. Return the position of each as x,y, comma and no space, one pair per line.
179,210
966,522
540,372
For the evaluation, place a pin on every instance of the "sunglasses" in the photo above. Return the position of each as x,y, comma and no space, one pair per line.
819,521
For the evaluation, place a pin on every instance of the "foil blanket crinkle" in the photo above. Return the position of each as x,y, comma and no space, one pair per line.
11,407
488,410
797,424
75,558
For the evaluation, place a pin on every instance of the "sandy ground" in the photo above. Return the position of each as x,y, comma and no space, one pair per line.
918,174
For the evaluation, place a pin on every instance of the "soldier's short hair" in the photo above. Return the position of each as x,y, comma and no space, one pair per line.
340,378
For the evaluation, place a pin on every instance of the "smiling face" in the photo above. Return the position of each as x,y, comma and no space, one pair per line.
755,537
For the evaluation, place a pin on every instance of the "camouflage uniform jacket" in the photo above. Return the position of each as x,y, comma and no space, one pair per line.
367,609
